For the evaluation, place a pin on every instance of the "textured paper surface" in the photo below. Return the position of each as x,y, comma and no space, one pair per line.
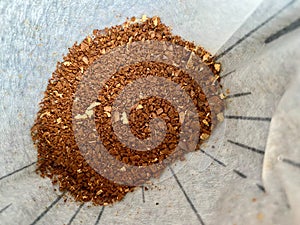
34,36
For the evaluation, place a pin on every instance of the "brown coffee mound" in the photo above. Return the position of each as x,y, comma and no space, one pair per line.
62,133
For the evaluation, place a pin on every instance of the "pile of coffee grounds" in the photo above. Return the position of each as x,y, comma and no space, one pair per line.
59,156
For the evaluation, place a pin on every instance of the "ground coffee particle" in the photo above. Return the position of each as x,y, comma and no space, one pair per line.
59,157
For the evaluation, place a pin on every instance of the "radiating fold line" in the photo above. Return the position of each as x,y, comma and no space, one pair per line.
99,216
291,162
187,197
143,193
226,74
47,209
212,157
294,25
262,188
16,171
242,175
253,30
247,147
267,119
75,214
238,95
6,207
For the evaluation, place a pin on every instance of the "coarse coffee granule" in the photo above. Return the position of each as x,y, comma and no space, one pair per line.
59,155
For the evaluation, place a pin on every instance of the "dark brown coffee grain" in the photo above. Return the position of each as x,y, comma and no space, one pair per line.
59,157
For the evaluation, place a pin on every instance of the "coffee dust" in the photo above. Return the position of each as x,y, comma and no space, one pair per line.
59,157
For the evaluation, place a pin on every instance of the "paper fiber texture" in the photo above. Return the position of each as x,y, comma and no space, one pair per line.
35,34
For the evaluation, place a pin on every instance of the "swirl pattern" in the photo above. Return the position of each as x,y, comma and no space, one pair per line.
130,106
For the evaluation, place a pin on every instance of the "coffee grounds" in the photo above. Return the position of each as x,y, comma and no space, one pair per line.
59,156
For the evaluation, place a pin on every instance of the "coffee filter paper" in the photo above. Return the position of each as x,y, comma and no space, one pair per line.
34,36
